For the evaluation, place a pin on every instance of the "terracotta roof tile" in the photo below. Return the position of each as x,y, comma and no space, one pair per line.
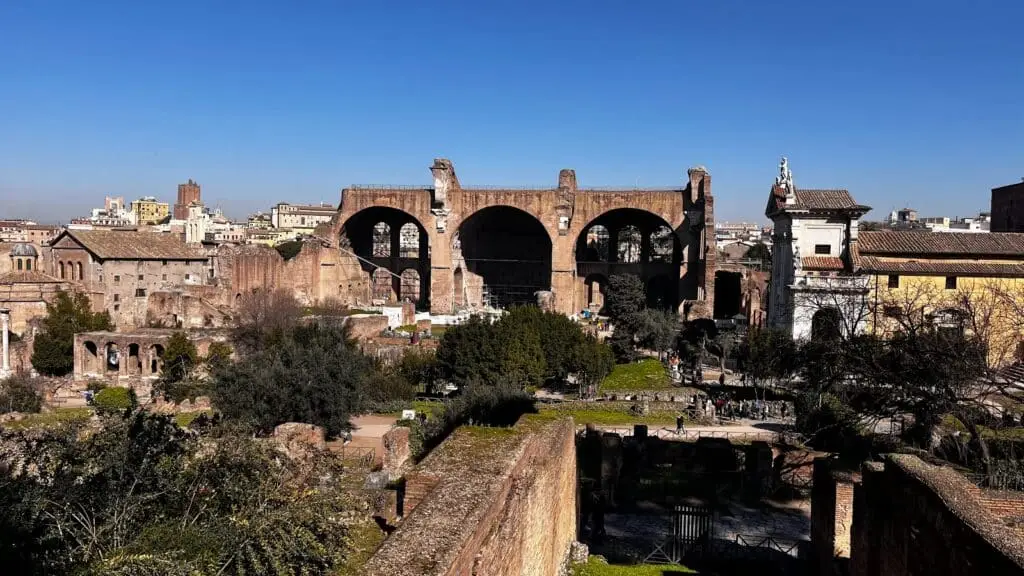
940,267
822,263
993,244
133,245
814,200
28,277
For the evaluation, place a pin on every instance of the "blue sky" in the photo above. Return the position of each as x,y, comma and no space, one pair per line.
903,102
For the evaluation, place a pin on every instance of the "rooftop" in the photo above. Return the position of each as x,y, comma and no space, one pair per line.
134,245
28,277
993,244
814,200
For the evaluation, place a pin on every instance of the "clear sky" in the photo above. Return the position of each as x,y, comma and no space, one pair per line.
917,102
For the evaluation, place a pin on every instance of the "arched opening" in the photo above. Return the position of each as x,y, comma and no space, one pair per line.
627,245
60,266
459,285
630,241
383,285
134,361
19,264
238,299
113,358
28,264
509,251
381,240
595,285
388,238
660,293
156,358
409,290
596,247
409,241
78,268
728,293
827,324
92,358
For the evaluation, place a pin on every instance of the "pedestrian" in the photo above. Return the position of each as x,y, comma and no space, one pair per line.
680,424
721,379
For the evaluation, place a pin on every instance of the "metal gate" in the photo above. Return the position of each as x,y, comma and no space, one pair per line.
691,536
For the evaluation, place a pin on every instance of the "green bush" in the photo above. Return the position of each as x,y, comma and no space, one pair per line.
18,394
95,385
114,400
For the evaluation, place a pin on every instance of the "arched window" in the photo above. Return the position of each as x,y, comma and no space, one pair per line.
410,285
78,268
381,240
826,324
61,268
662,244
28,264
628,245
19,263
382,289
409,241
597,244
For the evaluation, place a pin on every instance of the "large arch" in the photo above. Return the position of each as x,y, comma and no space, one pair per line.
507,251
630,241
388,239
827,324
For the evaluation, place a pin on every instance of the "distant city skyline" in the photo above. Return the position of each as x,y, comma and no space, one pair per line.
278,102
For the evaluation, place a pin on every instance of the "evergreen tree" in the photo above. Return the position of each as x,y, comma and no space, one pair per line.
53,353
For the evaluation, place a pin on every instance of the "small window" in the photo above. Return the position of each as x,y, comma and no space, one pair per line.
891,311
187,277
211,272
19,264
140,292
163,262
825,249
163,277
950,282
117,278
101,278
28,264
894,280
117,297
117,307
141,277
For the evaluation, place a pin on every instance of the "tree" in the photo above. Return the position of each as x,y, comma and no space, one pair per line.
655,329
626,295
592,361
263,316
53,352
469,352
759,251
19,394
768,357
179,357
313,374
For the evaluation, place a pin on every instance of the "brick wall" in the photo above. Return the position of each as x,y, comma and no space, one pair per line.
911,518
488,502
831,517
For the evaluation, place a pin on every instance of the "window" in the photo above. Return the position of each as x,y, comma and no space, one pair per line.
825,249
891,311
141,277
163,262
117,297
28,264
950,282
894,280
211,272
163,277
19,263
140,292
188,276
117,307
101,277
117,278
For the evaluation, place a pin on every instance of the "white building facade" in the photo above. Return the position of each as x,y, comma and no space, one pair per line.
813,291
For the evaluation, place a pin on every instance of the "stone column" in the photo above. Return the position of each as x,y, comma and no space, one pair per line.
5,323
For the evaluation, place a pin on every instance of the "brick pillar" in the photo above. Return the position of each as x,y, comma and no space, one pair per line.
563,273
441,273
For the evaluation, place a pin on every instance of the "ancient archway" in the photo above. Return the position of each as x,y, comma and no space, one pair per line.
827,324
387,239
156,358
134,360
728,293
630,241
508,252
112,358
93,364
410,288
596,285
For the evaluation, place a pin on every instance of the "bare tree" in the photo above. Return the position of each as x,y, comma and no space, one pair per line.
263,312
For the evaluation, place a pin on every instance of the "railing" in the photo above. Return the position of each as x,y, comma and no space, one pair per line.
686,435
745,542
359,456
472,187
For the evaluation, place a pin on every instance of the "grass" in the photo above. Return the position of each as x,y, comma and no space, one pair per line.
57,416
950,422
364,539
610,415
596,566
648,374
183,419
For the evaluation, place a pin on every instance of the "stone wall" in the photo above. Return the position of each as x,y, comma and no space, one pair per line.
912,518
488,502
831,516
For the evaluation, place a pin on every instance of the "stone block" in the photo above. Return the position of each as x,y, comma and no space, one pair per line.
298,440
396,450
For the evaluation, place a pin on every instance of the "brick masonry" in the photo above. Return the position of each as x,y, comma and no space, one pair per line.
488,502
911,518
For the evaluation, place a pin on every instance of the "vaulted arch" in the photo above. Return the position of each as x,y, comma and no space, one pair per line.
389,239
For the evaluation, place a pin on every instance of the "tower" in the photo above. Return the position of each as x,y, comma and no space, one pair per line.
188,193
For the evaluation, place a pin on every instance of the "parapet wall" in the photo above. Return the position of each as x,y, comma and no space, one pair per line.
912,518
488,502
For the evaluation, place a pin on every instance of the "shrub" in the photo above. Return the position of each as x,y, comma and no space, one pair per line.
114,400
95,385
19,394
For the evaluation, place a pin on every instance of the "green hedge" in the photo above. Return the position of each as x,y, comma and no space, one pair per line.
114,400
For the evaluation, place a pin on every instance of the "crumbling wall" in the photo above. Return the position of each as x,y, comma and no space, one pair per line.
912,518
488,502
831,516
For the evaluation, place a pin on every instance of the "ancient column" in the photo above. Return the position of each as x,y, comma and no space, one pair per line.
5,323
